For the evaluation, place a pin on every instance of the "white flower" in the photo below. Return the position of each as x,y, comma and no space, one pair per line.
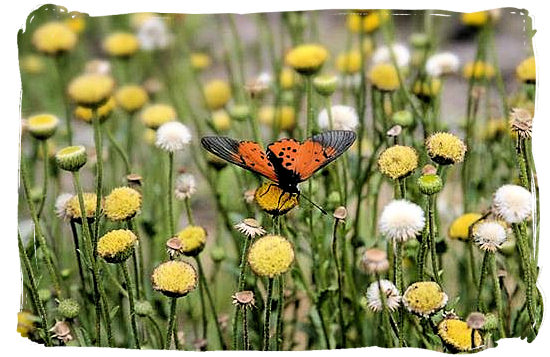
153,34
185,186
401,220
61,205
442,63
489,235
512,203
264,79
343,118
402,55
374,300
173,136
250,227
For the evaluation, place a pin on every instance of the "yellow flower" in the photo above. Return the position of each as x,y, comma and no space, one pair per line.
285,116
73,206
116,246
476,19
150,136
457,335
32,64
221,120
349,62
424,298
76,22
307,58
122,203
131,97
367,21
91,90
42,126
174,278
287,78
459,229
526,71
192,239
445,148
427,89
398,161
274,200
367,47
217,93
103,112
155,115
54,38
384,77
25,323
270,256
200,61
121,44
479,70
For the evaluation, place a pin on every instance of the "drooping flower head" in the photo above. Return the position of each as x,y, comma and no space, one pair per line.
391,294
512,203
270,256
401,220
173,136
344,117
250,228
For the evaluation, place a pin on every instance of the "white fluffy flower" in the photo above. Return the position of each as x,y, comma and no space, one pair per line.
250,227
344,117
402,55
512,203
173,136
401,220
374,300
185,186
153,34
61,205
442,63
489,236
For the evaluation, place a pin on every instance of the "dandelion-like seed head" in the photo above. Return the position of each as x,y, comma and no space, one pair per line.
71,158
478,70
344,117
270,256
384,77
460,228
217,93
173,136
398,161
391,294
192,239
131,98
121,44
185,186
400,51
424,298
103,112
489,235
441,64
42,126
250,228
174,278
153,116
307,59
122,203
375,261
60,205
54,38
116,246
445,148
274,200
91,90
526,71
512,203
244,299
153,34
457,335
521,122
401,220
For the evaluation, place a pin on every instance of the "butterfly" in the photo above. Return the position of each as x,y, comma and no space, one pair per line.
286,162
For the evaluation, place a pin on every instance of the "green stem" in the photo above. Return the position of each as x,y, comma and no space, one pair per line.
341,320
170,199
190,219
131,303
280,319
171,323
482,276
44,147
240,287
400,283
497,294
156,327
269,302
432,237
99,174
120,151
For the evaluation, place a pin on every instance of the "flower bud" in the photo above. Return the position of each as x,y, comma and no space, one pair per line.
144,308
403,118
325,85
68,308
71,158
430,184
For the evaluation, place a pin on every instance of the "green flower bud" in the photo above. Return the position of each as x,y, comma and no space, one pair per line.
325,85
68,308
42,126
44,295
218,254
430,184
144,308
403,118
239,112
508,248
71,158
491,322
419,40
65,273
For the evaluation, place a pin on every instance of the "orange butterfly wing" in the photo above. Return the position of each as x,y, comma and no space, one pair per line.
246,154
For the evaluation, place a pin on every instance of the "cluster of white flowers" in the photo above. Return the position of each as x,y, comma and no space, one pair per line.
344,117
401,220
374,299
513,203
441,64
185,186
173,136
383,55
153,34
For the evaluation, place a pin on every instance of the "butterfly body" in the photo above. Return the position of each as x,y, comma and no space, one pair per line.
286,162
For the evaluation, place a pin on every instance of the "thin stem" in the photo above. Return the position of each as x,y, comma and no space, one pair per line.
280,319
171,323
170,200
269,302
341,320
99,174
432,237
190,219
118,148
246,341
130,289
240,287
44,147
497,294
78,253
156,327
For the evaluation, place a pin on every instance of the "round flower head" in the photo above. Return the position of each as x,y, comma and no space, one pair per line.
131,98
374,300
285,117
121,44
445,148
42,126
401,220
192,239
427,89
61,205
489,235
475,19
54,38
349,62
144,308
25,323
73,206
384,77
200,61
32,64
512,203
521,122
217,93
68,308
250,228
457,335
274,200
221,120
375,261
76,22
153,34
403,118
103,112
367,21
270,256
325,84
344,117
287,78
398,161
91,90
122,203
460,228
239,112
441,64
155,115
71,158
383,55
116,246
244,299
424,298
173,136
174,278
526,71
185,186
306,59
479,70
430,184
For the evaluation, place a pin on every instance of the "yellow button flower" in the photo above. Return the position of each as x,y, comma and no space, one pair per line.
349,62
91,90
398,161
76,22
285,116
424,298
116,246
153,116
526,71
200,61
367,20
458,336
131,98
274,200
445,148
459,229
192,239
174,278
54,38
427,89
73,206
217,93
384,77
476,19
122,203
270,256
103,112
221,120
479,70
42,126
121,44
307,58
287,78
32,64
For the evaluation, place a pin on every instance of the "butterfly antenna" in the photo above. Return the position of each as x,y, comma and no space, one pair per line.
314,204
